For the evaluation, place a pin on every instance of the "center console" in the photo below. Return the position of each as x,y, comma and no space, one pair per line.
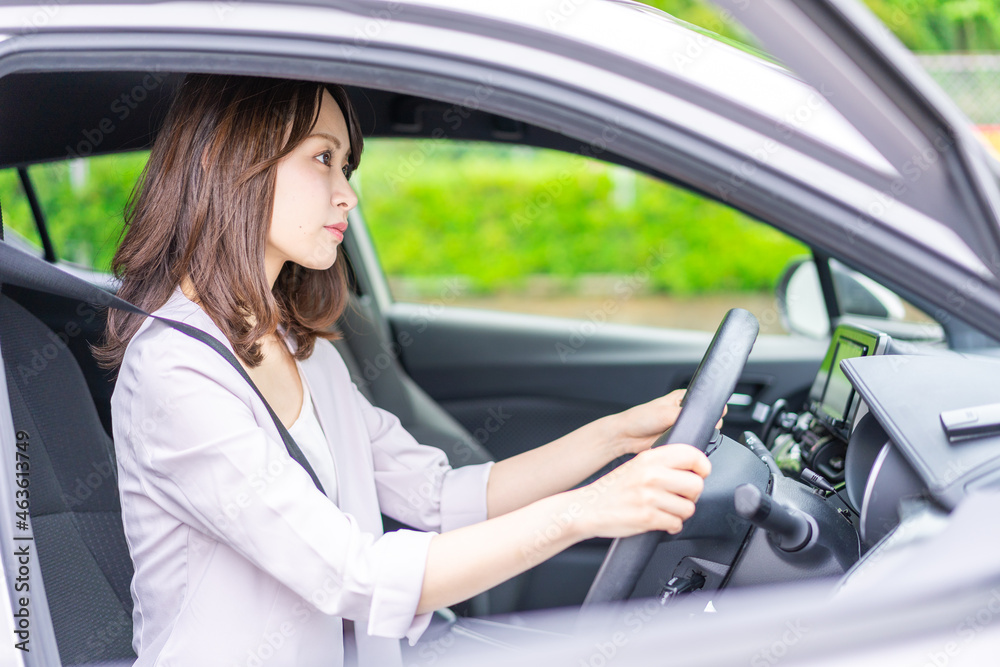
817,438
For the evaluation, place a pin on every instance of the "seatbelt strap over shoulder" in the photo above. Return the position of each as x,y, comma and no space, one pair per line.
20,268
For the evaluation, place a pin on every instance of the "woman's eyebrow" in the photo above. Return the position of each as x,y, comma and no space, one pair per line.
334,140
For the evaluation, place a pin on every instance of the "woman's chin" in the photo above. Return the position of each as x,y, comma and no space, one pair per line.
319,262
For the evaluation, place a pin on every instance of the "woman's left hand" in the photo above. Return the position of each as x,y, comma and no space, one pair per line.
639,427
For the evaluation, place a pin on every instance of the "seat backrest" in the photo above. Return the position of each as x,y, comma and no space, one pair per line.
377,372
75,510
379,375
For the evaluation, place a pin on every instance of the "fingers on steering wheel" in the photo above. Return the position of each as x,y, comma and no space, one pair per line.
683,483
669,523
677,480
668,512
725,409
675,505
682,457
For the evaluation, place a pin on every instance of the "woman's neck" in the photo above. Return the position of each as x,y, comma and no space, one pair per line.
189,291
187,287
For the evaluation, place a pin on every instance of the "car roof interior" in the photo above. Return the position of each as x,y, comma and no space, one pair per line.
71,114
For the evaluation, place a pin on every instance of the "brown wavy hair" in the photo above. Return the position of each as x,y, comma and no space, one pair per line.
202,209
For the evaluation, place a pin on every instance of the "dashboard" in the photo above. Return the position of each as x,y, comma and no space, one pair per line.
821,491
829,489
888,422
838,438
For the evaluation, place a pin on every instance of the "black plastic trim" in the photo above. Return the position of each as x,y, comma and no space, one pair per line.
38,214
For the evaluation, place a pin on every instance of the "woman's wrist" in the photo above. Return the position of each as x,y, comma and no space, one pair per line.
570,514
561,520
612,436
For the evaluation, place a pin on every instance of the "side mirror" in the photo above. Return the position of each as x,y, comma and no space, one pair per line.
803,310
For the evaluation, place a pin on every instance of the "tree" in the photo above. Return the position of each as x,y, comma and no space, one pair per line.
922,25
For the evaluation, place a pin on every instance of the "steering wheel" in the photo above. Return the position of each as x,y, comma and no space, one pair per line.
709,391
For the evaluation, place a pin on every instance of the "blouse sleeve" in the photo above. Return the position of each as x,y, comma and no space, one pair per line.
415,483
201,456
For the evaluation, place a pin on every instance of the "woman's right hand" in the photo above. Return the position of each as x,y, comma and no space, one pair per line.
655,490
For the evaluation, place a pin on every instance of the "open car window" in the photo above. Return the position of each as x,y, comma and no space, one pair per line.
18,224
82,201
540,231
500,227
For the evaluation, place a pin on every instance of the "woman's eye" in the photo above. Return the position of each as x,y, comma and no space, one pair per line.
326,158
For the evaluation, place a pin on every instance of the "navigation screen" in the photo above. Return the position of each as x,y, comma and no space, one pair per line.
837,397
832,398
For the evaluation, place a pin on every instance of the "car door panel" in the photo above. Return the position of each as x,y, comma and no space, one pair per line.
519,381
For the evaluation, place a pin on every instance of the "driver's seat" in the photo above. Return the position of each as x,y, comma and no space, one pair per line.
81,556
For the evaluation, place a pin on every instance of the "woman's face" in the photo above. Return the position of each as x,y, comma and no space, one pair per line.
312,196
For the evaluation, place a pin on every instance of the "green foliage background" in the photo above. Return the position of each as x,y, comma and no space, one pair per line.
499,216
922,25
495,215
83,212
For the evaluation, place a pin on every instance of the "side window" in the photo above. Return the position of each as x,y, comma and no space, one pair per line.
538,231
82,201
18,223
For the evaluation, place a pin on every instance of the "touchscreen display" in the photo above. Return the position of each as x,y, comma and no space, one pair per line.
837,398
832,398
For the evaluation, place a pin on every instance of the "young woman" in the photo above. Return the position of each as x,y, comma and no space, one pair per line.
239,558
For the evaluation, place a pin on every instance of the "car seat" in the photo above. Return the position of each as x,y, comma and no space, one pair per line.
82,558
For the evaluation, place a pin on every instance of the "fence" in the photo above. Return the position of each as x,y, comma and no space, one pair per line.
973,81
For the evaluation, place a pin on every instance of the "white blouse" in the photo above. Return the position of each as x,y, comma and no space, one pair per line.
239,559
309,436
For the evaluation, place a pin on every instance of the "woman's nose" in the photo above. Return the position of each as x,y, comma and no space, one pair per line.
343,194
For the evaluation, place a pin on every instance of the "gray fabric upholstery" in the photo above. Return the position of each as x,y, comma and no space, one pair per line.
378,374
75,511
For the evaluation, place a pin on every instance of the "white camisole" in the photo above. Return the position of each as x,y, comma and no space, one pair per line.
308,435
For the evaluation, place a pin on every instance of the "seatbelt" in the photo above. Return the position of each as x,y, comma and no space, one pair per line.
20,268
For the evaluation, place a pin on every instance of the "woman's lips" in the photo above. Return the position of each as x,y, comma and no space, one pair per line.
337,231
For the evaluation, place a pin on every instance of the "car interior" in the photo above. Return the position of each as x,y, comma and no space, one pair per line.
493,362
82,550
